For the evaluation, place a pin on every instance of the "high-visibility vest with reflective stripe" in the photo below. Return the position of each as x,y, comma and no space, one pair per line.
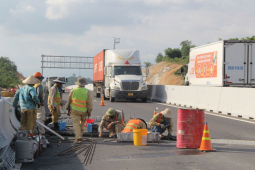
79,99
131,125
57,97
37,85
160,119
106,117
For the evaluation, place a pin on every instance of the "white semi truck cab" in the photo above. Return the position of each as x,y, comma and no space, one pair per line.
118,74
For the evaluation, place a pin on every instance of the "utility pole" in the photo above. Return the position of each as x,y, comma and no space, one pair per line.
116,41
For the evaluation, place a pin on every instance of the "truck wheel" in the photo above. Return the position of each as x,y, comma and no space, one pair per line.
144,100
112,99
102,92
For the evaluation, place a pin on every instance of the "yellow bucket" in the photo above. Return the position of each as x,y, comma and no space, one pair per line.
140,137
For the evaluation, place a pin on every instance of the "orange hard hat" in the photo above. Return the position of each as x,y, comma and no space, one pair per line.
37,75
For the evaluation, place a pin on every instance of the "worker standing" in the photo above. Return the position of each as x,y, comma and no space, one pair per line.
55,101
79,106
134,124
112,121
162,121
28,101
40,111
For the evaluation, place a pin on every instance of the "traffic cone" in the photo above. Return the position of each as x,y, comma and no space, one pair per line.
102,101
155,112
206,145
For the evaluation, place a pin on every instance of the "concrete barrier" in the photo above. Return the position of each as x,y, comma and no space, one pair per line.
226,100
9,124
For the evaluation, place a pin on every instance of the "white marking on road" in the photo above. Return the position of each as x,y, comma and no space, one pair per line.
213,114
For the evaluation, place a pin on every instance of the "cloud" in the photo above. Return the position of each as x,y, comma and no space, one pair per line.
59,9
22,9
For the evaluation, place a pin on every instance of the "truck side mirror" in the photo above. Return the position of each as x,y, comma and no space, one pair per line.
66,80
147,71
105,71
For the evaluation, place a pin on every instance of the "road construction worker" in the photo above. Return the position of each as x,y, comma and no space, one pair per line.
134,124
28,101
55,101
40,111
112,121
162,121
79,106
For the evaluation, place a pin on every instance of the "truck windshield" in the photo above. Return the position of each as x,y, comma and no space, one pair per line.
122,70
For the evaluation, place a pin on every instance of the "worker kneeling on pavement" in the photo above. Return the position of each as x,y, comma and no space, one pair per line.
55,101
28,101
162,121
135,124
40,111
112,121
79,106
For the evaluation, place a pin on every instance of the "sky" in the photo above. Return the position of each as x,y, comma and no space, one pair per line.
30,28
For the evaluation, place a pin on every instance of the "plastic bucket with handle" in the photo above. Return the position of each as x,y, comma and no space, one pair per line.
140,137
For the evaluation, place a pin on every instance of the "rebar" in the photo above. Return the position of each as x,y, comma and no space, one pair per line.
92,153
86,147
69,150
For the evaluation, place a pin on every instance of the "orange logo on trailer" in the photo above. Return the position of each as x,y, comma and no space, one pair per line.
206,65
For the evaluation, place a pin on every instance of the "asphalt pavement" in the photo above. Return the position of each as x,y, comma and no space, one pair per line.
234,141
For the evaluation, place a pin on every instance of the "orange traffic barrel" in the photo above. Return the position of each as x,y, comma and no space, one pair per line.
190,125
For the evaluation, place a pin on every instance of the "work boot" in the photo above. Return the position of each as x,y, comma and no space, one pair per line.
56,127
48,121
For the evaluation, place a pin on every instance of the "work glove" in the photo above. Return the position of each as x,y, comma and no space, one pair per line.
109,126
162,126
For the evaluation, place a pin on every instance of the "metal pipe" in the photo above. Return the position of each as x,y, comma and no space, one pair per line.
52,131
61,137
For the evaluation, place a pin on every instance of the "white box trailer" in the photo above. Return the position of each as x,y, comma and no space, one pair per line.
223,63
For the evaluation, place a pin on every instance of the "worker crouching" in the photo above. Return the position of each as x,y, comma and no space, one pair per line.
112,121
162,121
79,106
134,124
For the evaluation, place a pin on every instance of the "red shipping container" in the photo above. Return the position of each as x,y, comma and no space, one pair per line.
98,67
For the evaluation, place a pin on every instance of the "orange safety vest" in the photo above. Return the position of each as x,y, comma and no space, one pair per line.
131,125
161,117
116,118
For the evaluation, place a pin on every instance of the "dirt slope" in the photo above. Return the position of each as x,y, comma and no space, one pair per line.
163,74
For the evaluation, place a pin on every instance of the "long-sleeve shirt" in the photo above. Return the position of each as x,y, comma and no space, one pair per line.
27,98
153,122
89,102
113,121
39,92
53,92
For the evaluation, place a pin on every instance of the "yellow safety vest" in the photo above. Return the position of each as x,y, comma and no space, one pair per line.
37,85
57,97
79,99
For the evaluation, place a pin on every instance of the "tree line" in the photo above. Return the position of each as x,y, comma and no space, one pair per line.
175,53
8,73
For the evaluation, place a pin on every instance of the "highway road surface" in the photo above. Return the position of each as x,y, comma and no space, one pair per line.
233,138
